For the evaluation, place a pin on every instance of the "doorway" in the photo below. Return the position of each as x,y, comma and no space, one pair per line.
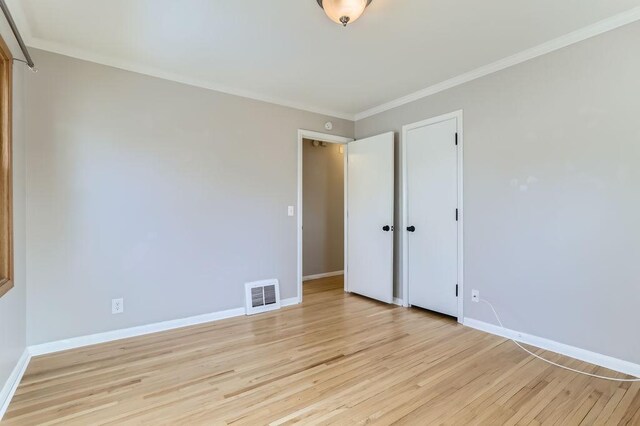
322,209
432,215
322,177
368,213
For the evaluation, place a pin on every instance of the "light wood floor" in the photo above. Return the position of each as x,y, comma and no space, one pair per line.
337,359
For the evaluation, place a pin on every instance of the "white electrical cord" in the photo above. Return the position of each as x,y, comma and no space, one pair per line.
553,363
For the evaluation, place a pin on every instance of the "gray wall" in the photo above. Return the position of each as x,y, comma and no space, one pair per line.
172,196
552,199
12,304
323,208
168,195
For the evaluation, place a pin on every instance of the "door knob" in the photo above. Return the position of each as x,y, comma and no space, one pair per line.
411,228
386,228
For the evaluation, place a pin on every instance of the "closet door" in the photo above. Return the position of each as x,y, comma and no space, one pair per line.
370,198
431,216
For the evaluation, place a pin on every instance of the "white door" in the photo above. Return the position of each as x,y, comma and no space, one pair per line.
370,192
432,229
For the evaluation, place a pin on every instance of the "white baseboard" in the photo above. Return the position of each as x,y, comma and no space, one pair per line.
110,336
325,275
13,381
595,358
290,301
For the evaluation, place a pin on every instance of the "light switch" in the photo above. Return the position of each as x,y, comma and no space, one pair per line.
290,211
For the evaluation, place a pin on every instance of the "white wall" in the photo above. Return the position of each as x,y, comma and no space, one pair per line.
168,195
12,304
323,208
552,199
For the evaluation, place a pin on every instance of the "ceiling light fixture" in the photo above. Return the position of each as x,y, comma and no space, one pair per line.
344,11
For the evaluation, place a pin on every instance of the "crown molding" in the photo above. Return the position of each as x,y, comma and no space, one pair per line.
577,36
62,49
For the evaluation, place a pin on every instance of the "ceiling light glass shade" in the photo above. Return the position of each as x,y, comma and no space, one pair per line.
344,11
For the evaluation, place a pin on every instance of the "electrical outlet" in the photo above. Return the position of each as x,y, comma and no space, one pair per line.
475,296
117,306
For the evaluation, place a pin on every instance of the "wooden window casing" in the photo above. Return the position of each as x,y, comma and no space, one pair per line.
6,196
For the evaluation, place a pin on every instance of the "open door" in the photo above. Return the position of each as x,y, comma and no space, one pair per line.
370,198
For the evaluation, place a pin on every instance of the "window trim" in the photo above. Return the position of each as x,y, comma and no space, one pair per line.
6,182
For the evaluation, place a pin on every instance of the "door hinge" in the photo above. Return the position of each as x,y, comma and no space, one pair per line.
456,138
456,290
456,215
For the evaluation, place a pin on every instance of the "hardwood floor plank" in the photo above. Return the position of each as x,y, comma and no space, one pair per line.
336,359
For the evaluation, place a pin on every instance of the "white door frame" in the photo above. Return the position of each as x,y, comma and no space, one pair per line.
405,245
308,134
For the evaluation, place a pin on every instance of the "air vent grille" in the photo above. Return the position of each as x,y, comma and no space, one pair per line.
269,294
262,296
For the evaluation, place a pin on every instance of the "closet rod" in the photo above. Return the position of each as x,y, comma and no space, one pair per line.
16,33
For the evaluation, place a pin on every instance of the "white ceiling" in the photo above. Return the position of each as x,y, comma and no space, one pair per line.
289,52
